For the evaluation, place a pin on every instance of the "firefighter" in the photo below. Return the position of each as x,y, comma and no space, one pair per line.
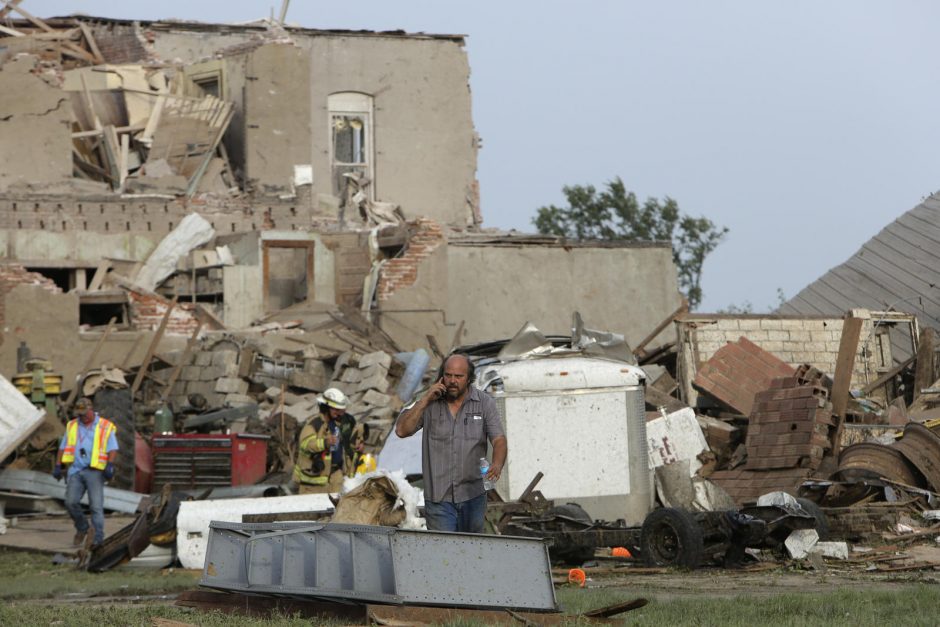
89,448
330,446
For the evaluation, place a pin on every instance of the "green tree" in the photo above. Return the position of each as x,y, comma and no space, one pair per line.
615,214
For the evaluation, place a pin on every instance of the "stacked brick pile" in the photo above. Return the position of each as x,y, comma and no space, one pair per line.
403,271
214,375
787,437
737,372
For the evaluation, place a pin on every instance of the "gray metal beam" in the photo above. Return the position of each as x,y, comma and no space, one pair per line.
380,565
33,482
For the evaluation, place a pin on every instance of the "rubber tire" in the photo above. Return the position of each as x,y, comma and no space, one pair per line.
574,555
671,537
822,523
118,407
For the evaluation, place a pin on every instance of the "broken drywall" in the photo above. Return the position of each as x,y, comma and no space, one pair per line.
193,231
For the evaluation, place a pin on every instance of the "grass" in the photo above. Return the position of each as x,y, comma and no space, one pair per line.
28,581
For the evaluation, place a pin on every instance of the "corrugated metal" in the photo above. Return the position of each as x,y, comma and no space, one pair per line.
898,270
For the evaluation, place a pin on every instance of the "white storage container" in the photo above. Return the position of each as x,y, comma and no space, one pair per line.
582,422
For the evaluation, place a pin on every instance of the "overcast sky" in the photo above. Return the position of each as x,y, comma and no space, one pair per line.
803,126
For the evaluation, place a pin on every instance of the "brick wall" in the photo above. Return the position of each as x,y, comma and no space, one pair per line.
403,271
737,371
794,340
745,486
148,310
122,43
13,275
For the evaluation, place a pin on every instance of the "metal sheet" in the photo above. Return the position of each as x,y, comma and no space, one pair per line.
921,447
34,482
18,418
872,461
380,564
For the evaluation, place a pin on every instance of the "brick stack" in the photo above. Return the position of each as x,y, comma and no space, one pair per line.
738,371
148,310
214,375
787,437
365,380
403,271
789,426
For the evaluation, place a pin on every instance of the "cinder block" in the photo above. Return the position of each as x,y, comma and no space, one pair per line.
191,373
376,399
231,385
238,400
211,373
358,409
378,357
309,380
349,358
378,382
374,370
226,359
202,358
351,375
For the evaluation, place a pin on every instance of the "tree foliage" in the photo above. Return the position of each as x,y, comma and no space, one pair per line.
616,214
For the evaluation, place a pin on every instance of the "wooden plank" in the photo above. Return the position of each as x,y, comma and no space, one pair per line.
10,5
877,383
91,360
194,181
842,378
119,129
153,347
924,371
11,32
130,354
683,307
103,266
125,155
153,121
92,44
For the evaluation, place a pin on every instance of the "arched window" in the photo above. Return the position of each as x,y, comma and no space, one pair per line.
351,143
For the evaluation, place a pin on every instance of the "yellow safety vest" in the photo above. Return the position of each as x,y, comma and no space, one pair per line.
99,450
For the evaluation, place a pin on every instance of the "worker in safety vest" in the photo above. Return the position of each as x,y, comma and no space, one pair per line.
89,448
330,446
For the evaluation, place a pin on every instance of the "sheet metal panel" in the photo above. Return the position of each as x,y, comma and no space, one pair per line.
18,417
380,565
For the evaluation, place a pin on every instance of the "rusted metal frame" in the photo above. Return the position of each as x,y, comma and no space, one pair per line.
153,347
921,447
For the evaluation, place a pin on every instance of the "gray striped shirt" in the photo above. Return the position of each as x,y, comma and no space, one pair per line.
452,447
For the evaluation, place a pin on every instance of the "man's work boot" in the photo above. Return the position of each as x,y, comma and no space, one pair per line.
79,538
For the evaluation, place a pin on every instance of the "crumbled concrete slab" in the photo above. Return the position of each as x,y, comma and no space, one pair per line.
376,382
378,357
351,375
231,385
371,397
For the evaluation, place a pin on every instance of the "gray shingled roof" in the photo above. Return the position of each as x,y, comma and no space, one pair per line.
898,269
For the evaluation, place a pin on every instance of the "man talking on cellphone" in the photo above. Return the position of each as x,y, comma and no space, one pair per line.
458,420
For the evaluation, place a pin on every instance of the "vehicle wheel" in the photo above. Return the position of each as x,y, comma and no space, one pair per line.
671,537
118,407
571,554
822,523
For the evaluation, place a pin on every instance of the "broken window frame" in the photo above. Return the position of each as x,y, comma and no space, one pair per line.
342,106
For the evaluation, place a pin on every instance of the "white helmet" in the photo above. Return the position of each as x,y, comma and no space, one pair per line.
334,398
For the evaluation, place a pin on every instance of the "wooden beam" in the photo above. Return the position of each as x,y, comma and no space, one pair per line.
92,44
11,32
130,354
877,383
924,371
91,360
683,307
153,347
842,378
103,266
10,5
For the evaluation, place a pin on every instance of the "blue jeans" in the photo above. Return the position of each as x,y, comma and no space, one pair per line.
466,516
91,481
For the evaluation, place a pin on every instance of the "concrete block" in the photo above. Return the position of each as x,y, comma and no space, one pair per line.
211,373
358,409
342,386
190,373
778,336
383,413
351,375
376,399
375,370
317,367
200,387
309,380
215,400
349,358
377,382
238,400
301,413
231,385
202,358
273,394
225,359
378,357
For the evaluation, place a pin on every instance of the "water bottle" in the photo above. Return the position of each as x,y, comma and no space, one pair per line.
485,468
